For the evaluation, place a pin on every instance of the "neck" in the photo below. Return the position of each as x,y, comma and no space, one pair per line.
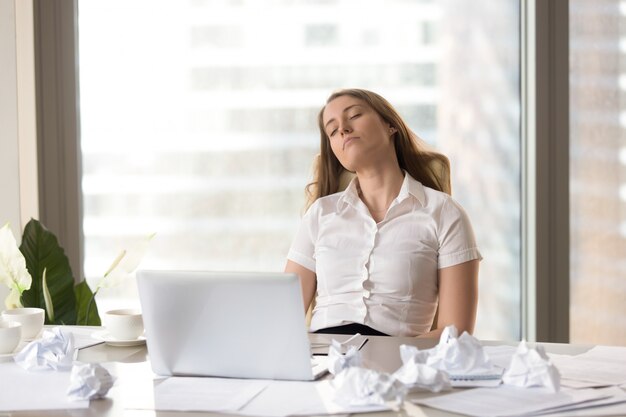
379,187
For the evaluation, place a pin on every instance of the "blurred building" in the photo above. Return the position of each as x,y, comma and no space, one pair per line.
598,171
479,129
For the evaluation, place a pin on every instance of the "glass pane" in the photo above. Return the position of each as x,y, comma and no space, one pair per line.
199,123
598,171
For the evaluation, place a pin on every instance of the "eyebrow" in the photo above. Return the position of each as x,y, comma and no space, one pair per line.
344,110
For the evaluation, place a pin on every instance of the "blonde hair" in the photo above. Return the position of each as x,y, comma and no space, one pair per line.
430,168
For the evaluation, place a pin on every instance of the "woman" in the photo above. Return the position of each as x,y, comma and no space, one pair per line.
392,250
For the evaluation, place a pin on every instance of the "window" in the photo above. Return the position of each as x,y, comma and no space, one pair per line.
199,123
598,172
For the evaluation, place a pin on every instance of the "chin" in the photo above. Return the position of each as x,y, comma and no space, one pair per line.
348,166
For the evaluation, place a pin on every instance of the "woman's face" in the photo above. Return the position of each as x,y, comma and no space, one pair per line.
358,135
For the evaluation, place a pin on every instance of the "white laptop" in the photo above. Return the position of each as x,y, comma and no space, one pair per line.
226,324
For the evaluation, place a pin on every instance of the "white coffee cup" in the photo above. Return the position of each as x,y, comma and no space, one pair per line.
10,335
31,318
124,324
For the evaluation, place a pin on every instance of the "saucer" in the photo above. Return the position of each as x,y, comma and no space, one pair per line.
6,357
105,337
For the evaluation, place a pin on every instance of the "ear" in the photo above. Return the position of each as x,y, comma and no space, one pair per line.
392,130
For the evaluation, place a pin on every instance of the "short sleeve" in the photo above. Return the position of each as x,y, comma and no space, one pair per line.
302,249
457,243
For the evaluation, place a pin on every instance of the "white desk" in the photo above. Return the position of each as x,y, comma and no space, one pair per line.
135,377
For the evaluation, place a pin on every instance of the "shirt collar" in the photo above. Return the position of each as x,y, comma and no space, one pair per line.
350,195
410,186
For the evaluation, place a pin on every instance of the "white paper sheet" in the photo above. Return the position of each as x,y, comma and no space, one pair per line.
573,383
283,398
205,394
24,390
507,400
605,411
262,398
616,398
601,364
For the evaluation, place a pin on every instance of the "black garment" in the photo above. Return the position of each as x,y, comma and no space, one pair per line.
352,328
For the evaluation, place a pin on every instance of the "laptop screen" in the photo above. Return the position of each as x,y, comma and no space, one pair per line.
227,324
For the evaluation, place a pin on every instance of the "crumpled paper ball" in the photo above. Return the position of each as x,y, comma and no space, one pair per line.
416,375
54,351
456,355
338,361
361,386
531,367
355,385
89,381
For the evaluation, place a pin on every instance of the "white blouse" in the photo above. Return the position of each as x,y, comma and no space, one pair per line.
383,275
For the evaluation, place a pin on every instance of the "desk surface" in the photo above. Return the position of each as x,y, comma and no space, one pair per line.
135,377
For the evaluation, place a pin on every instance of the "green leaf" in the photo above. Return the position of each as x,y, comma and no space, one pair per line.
41,250
83,299
47,298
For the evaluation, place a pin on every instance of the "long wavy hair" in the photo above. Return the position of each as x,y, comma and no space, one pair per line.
430,168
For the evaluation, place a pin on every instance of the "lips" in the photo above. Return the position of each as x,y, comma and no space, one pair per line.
348,140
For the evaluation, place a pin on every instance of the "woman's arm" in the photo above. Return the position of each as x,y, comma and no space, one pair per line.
308,281
458,298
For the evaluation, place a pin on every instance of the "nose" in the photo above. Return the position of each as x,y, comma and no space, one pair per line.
345,129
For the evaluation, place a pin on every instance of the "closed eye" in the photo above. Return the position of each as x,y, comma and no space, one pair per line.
333,132
355,116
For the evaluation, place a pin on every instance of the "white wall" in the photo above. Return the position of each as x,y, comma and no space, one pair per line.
18,141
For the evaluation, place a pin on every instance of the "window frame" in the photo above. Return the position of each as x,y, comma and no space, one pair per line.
545,170
58,124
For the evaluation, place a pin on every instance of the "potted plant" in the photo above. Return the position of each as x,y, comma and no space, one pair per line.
38,274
